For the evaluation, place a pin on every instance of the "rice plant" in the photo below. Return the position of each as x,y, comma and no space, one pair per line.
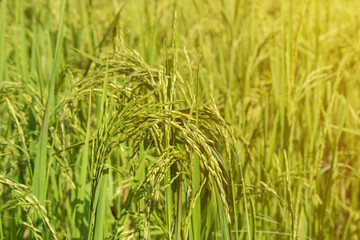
179,119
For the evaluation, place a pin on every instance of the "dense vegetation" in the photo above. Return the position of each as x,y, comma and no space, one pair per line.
191,119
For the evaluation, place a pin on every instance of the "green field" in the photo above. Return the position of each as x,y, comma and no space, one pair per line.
190,119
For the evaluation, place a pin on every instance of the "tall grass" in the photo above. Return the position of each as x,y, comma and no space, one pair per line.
179,119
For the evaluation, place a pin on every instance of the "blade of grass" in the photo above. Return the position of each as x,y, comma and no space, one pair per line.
91,57
139,177
245,202
210,218
96,188
82,180
196,178
102,206
3,12
21,51
39,177
224,226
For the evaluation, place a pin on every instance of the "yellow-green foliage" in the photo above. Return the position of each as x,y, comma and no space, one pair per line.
191,119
